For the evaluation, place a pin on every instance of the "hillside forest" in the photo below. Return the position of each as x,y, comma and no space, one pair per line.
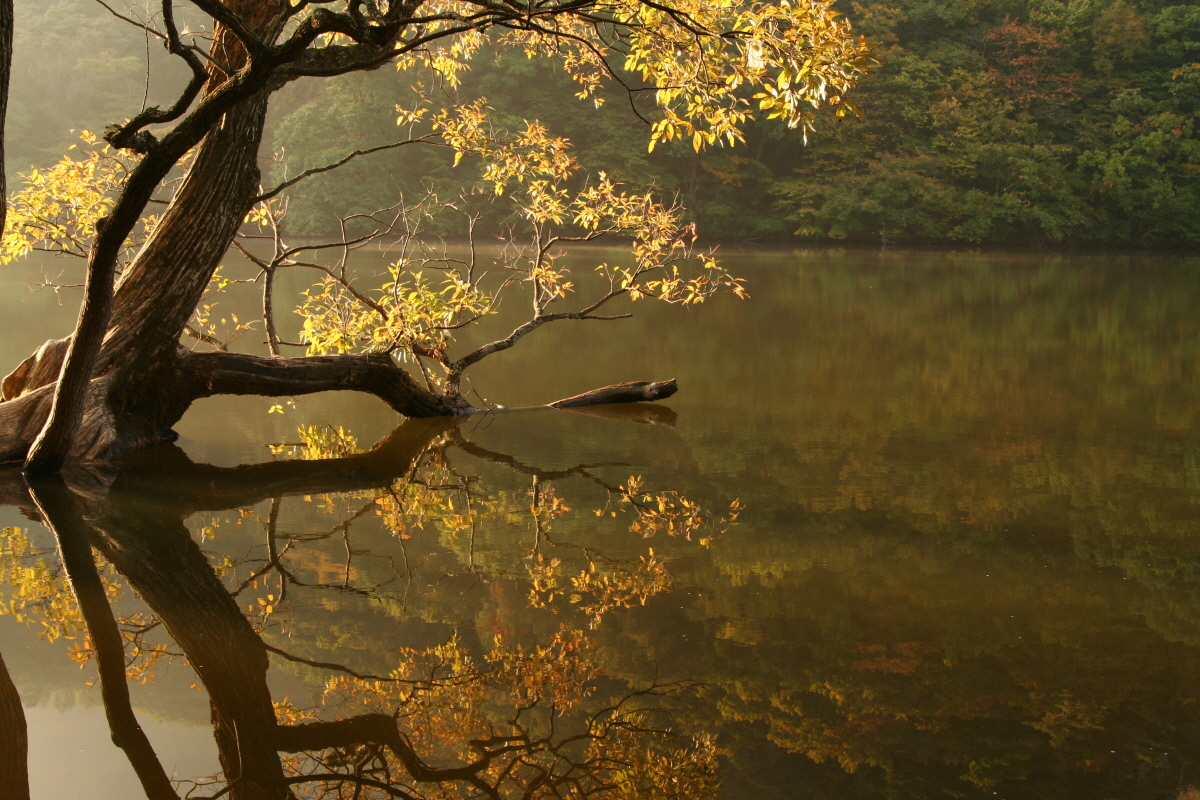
997,123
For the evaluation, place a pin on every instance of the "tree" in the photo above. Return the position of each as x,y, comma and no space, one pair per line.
121,380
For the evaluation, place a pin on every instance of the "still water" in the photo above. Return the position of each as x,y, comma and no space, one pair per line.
916,525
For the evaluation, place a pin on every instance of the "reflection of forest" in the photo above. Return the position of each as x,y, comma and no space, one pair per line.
966,565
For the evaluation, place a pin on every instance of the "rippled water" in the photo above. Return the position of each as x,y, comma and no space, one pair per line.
967,562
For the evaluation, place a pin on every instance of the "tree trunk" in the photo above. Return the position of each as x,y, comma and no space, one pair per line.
161,288
154,323
54,442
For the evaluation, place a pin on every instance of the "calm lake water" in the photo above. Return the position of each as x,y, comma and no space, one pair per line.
966,564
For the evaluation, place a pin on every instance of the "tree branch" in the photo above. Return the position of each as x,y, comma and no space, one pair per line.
204,337
166,476
318,170
474,357
333,667
207,374
239,27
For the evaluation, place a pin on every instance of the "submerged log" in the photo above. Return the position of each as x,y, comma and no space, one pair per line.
632,392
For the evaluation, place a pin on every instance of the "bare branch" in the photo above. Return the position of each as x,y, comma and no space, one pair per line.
131,134
204,337
135,23
267,195
335,667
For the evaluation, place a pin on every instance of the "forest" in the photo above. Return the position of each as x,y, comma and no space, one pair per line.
988,123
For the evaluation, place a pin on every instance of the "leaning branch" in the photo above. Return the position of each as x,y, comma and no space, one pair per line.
373,729
333,667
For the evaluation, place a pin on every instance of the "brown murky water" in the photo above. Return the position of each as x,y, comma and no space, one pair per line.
967,564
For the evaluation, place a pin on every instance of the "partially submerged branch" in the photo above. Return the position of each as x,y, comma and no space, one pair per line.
634,392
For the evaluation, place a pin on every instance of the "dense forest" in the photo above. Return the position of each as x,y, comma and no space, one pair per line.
1014,123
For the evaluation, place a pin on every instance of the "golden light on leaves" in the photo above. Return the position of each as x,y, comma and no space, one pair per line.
58,207
712,65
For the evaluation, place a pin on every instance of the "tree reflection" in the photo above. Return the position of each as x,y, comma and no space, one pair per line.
14,739
518,719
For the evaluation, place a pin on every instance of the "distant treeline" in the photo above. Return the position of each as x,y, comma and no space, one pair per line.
1008,122
989,122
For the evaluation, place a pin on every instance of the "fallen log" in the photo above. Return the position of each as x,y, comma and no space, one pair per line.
633,392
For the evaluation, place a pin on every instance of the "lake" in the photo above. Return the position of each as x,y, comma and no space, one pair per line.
916,525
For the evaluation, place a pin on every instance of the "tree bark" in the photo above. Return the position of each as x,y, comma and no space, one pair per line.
159,291
53,444
22,419
40,369
236,373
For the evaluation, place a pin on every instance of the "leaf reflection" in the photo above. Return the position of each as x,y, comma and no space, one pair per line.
530,714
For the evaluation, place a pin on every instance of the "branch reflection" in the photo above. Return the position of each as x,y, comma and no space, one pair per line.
525,715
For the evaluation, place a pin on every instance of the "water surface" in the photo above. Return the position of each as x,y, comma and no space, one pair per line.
967,563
